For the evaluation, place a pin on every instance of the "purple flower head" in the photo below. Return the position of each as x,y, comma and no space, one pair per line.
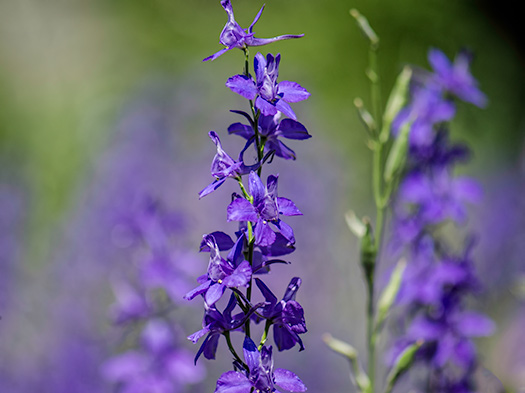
216,323
222,273
456,77
270,97
286,315
234,36
448,335
440,196
131,303
271,128
223,166
266,208
260,376
426,109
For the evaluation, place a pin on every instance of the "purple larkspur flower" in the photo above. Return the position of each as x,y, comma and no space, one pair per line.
271,128
426,109
456,77
158,366
222,273
216,323
223,166
440,196
266,208
286,315
270,96
234,36
260,376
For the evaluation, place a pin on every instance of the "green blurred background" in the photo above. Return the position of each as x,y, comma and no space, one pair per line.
67,67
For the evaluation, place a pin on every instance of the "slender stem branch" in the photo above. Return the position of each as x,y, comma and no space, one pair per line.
232,349
265,334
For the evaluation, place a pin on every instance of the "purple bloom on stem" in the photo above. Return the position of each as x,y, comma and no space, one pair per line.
271,128
286,315
270,97
266,208
260,376
427,108
456,77
158,366
222,273
216,323
234,36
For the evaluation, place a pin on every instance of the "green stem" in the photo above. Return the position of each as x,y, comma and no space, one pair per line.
265,334
232,349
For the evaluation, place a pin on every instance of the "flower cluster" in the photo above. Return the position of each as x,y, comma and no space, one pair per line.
262,237
437,281
158,362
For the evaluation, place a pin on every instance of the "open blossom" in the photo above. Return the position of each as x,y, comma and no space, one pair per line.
234,36
271,128
287,315
260,376
216,323
270,96
266,208
222,273
223,166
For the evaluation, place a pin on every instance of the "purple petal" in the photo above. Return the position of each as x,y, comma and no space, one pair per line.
288,380
251,354
242,85
257,188
233,382
287,207
293,316
224,242
197,291
268,295
264,235
240,277
271,185
468,189
197,335
235,256
473,324
265,41
265,107
439,62
241,129
282,106
241,210
292,129
292,92
211,187
214,293
291,290
259,64
250,29
219,53
286,231
210,346
280,149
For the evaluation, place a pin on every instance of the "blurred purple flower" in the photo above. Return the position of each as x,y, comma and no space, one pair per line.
159,365
234,36
456,77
